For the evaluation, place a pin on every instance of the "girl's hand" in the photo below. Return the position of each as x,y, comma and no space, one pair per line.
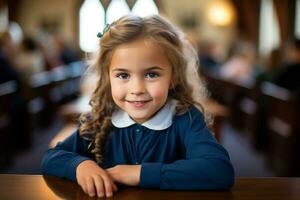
94,180
125,174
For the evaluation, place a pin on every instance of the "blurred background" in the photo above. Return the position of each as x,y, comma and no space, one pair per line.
249,52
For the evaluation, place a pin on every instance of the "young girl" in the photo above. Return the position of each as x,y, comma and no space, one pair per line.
145,128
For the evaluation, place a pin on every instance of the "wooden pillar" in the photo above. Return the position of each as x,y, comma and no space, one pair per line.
248,18
286,11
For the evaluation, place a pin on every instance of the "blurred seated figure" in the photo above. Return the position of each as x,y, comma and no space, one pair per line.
208,56
272,66
46,39
289,76
240,65
66,53
7,71
19,137
29,60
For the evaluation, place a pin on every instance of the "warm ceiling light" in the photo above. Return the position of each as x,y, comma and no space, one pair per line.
220,13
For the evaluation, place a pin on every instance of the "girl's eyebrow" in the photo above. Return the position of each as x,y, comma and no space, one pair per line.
120,69
154,68
147,69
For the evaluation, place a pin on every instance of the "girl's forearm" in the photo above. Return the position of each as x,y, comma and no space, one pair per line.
125,174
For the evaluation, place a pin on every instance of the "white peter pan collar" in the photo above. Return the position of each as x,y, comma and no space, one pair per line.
162,120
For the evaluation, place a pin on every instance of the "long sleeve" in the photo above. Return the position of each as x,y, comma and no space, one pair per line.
206,165
63,160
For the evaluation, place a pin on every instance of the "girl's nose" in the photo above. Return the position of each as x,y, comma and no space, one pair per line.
137,87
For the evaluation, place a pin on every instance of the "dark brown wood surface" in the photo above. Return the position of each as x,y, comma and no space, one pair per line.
33,187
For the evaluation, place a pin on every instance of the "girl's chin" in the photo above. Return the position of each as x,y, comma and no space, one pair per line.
139,119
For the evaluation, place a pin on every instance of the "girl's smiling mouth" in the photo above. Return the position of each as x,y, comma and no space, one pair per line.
138,104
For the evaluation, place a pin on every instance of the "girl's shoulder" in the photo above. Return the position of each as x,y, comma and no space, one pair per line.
192,115
191,124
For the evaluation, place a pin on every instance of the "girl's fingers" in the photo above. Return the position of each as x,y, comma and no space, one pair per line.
111,176
83,186
90,187
115,188
99,186
108,186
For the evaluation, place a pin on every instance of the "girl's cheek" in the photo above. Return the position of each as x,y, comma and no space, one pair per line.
159,91
159,95
118,92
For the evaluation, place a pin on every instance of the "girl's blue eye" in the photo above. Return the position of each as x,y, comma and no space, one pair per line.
151,75
122,76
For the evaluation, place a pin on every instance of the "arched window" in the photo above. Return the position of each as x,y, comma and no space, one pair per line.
3,18
268,28
116,9
91,21
92,18
144,7
297,20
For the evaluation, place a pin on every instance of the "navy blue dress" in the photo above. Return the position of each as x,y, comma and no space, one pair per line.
184,156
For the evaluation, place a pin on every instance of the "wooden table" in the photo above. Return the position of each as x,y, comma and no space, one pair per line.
31,187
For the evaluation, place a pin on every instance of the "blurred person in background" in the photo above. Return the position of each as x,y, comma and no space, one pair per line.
208,56
289,75
29,60
272,66
19,137
7,71
67,54
46,38
240,65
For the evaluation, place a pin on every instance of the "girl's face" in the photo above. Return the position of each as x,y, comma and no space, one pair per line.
140,78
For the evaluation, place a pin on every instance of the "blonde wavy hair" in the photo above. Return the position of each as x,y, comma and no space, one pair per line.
188,89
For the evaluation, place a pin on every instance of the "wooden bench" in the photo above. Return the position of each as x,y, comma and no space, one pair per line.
65,132
283,129
70,113
7,92
240,99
